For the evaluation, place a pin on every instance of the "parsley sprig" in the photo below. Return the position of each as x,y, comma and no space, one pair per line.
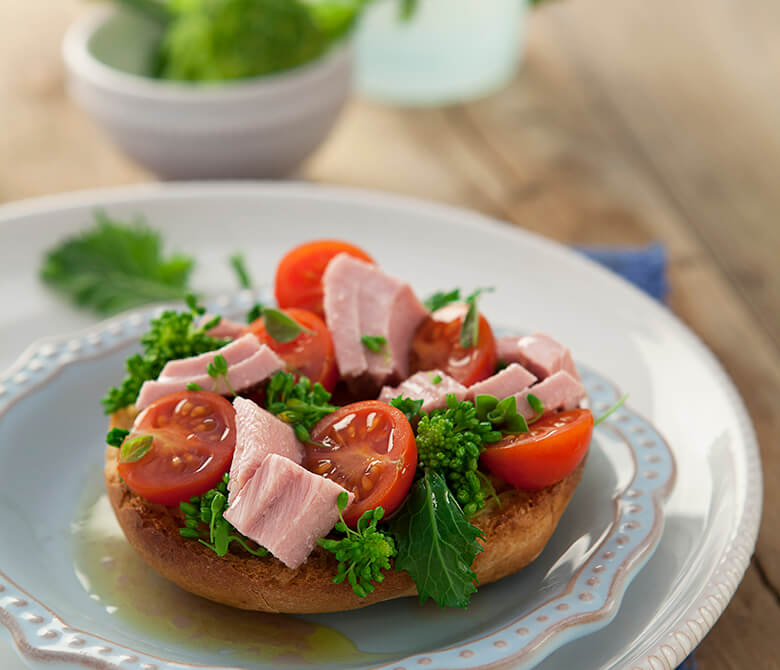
171,336
116,265
204,521
362,553
299,403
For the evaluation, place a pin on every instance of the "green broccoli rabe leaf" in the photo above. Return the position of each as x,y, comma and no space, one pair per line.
436,544
116,265
171,336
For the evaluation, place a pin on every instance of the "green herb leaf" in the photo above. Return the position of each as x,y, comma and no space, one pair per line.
436,544
116,436
441,299
281,327
469,330
192,386
255,312
114,266
375,343
436,379
239,267
536,405
135,448
410,408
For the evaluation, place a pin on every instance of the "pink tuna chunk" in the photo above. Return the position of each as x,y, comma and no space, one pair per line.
420,386
225,327
285,508
509,381
559,391
233,352
540,353
242,374
258,434
359,299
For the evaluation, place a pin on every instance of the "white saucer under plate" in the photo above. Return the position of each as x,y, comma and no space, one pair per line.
711,515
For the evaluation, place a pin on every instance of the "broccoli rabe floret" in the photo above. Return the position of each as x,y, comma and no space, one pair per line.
450,441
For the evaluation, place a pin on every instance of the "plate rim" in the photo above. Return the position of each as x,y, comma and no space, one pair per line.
670,645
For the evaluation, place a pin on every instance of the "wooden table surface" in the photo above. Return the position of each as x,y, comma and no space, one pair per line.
631,121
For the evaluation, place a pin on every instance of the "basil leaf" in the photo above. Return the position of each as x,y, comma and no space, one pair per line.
281,327
436,544
469,331
135,448
441,299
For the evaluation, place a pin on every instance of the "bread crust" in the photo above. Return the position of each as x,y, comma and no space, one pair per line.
515,534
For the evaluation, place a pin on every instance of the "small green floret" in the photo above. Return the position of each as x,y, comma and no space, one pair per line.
204,521
171,336
299,403
450,442
362,553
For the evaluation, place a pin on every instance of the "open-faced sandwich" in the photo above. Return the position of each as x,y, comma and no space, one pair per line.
351,446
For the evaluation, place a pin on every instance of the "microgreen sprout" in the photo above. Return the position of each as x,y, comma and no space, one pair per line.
238,263
435,379
469,330
537,406
374,343
362,553
299,403
611,410
192,386
218,369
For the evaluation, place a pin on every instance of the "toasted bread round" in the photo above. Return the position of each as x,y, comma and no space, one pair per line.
515,534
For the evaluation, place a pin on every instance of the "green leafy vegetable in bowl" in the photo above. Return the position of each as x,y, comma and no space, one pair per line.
220,40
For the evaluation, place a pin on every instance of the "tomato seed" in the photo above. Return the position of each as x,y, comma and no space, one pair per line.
199,411
366,485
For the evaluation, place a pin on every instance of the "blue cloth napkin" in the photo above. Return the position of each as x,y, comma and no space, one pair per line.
644,267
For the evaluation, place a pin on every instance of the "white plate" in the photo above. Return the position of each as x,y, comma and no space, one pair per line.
712,516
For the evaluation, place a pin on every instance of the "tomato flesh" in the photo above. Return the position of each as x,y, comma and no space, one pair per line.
368,448
550,451
310,354
194,438
436,345
299,274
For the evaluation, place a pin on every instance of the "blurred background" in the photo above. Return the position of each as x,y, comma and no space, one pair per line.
616,123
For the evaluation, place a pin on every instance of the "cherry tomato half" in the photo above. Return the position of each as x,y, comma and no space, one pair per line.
310,354
299,275
194,435
554,447
368,448
436,346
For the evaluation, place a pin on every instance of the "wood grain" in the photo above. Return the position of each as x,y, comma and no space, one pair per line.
631,121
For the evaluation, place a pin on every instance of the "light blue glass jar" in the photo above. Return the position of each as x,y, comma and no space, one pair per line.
449,51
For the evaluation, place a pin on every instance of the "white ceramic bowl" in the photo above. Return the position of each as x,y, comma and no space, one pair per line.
261,127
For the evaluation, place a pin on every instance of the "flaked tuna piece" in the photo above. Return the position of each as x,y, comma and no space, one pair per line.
225,328
285,508
539,353
421,386
509,381
559,391
360,299
249,363
258,434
